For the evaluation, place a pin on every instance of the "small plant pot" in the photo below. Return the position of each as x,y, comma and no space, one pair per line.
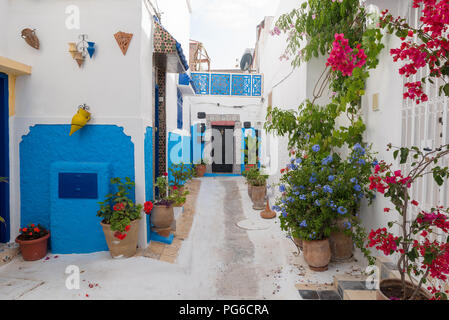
162,216
342,245
125,248
258,194
200,170
392,288
317,254
33,250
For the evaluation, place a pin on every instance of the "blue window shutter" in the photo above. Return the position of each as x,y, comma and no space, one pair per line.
180,101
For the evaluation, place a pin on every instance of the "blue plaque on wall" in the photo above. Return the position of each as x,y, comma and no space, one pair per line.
78,186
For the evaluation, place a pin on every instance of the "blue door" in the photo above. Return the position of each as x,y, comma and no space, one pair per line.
4,157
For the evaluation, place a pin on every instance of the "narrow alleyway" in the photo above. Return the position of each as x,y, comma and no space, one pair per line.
219,260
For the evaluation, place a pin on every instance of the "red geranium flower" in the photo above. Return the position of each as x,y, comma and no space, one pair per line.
415,203
175,188
148,206
127,228
387,210
165,174
119,207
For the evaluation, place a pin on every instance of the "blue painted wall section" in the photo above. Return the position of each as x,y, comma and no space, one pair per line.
148,149
46,145
179,150
74,226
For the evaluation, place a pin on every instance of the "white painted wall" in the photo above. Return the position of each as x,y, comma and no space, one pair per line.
117,88
4,10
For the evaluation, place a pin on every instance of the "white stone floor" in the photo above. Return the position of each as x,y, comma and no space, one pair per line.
219,260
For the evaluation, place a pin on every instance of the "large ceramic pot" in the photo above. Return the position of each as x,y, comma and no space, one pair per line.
317,254
258,196
33,249
125,248
162,216
200,170
342,245
391,289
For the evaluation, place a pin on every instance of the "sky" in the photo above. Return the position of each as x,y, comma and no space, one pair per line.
228,27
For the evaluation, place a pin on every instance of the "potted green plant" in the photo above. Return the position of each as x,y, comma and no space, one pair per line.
258,184
249,175
316,193
33,242
120,219
180,175
162,215
200,168
423,242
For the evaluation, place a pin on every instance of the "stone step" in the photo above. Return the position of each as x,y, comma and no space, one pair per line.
317,292
356,288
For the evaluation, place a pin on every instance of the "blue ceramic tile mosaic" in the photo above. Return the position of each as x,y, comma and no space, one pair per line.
220,84
201,81
257,86
241,85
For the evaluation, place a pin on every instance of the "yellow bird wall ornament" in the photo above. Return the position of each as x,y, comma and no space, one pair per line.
80,119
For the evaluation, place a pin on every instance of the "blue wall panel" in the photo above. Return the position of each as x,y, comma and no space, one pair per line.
47,144
148,173
179,150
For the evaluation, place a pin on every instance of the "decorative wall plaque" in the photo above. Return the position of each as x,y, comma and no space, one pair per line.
123,39
29,35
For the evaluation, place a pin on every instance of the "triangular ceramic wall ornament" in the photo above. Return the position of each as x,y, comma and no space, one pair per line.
29,35
79,59
123,39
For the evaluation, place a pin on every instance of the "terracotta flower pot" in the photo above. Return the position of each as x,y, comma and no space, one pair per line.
201,170
162,217
33,249
392,288
258,197
341,245
122,248
317,254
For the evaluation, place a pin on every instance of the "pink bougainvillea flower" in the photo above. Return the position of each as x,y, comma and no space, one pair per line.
345,59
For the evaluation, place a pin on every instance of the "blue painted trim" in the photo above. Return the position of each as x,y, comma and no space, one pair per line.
212,175
4,158
148,149
158,238
180,103
156,134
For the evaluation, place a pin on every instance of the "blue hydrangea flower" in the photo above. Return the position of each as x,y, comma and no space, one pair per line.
359,149
303,224
314,193
301,187
298,161
302,197
331,178
290,199
276,208
347,225
291,166
282,188
284,214
317,203
361,161
353,180
375,163
296,193
316,148
342,210
312,179
327,189
357,188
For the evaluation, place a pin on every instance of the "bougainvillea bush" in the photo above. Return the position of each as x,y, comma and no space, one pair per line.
420,255
423,46
319,189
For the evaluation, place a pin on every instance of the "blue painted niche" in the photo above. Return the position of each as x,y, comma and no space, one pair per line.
46,145
148,149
